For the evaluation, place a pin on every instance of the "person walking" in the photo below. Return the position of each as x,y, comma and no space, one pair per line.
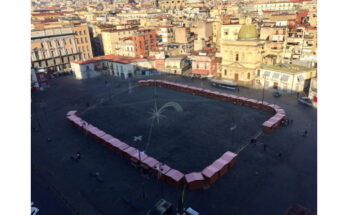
298,94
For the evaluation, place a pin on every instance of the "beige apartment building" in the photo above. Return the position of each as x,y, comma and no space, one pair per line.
111,37
172,4
83,40
54,49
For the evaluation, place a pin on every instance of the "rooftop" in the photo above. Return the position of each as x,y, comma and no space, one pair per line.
289,68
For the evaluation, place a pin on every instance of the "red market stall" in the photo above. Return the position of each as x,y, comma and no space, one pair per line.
106,138
128,152
136,156
149,163
174,177
230,157
111,144
267,127
195,180
211,173
160,169
120,147
222,165
97,134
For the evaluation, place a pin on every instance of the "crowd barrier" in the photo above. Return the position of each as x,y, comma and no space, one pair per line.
268,126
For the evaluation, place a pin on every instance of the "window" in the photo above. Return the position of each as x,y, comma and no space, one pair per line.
70,41
64,41
84,32
225,72
52,53
36,52
58,44
258,72
72,51
237,57
50,44
77,40
86,40
248,76
225,32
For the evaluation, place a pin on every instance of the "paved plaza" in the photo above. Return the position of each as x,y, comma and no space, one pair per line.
263,181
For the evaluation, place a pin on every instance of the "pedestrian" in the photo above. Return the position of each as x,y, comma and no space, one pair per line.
298,94
305,133
264,147
238,89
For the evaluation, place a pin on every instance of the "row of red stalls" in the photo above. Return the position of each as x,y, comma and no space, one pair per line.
268,126
194,180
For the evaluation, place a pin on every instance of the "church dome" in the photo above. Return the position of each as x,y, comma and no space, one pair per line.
248,31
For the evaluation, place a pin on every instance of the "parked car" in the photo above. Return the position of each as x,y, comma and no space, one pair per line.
306,101
277,94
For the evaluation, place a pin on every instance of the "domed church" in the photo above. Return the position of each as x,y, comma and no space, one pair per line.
242,57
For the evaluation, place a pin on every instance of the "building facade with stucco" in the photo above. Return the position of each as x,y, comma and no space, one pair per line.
242,57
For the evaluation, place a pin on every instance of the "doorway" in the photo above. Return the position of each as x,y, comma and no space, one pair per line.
236,77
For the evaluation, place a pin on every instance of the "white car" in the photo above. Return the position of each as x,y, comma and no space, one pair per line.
306,101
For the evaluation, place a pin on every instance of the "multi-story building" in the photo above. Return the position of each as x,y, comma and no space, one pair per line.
83,40
203,29
182,35
284,77
276,6
205,65
172,4
229,32
119,66
139,45
300,46
54,49
176,65
165,34
111,37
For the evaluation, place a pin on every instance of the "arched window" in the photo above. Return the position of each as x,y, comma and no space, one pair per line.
249,76
237,57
